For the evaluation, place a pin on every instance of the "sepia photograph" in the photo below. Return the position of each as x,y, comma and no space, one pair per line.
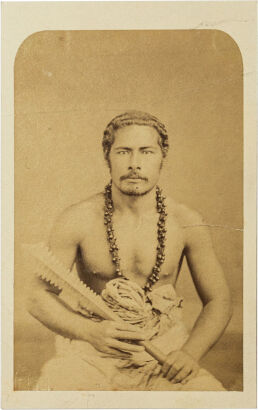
129,208
128,167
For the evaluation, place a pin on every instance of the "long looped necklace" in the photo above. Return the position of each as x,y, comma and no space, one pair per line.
161,233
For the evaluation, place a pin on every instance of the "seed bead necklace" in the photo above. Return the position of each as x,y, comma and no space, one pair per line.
161,234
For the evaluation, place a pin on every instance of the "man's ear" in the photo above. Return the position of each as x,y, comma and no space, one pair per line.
108,164
105,154
107,161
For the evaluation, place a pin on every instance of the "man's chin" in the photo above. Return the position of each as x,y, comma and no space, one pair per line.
135,191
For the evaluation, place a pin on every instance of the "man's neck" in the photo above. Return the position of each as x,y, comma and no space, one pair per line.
137,205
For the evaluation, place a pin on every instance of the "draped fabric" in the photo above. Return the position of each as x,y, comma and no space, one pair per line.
77,365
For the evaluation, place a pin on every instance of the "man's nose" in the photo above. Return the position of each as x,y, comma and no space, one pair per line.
135,162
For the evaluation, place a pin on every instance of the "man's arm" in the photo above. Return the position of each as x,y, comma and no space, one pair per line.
44,304
214,293
212,288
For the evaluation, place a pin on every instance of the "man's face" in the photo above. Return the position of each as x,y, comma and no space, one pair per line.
135,159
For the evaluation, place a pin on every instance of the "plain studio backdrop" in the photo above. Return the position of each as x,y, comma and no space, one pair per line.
68,86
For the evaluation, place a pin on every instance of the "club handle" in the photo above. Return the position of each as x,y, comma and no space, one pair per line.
154,351
149,347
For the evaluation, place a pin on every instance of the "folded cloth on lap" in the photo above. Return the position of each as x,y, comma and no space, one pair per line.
79,366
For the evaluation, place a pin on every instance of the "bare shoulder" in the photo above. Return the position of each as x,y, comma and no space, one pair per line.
191,222
184,215
72,223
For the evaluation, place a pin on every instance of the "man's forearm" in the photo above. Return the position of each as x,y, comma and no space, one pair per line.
52,313
209,326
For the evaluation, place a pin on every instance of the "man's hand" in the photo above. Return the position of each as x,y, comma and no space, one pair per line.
110,337
180,367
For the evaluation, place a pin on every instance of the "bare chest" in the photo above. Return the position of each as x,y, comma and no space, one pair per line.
137,249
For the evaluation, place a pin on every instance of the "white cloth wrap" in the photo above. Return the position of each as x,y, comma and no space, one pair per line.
79,366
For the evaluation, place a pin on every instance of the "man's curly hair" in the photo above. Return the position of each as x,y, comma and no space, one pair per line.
134,118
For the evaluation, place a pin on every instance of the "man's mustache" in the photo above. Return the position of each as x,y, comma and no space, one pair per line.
133,175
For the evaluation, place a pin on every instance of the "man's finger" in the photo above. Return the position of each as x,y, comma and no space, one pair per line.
181,375
117,353
177,366
190,376
128,335
123,326
166,366
127,347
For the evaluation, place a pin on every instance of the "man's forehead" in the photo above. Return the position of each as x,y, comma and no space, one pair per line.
136,135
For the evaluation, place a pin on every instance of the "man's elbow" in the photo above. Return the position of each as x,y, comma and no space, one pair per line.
228,306
225,303
222,303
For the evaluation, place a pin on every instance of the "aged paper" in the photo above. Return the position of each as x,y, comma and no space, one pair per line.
68,69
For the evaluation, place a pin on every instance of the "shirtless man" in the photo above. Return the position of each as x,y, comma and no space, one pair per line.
135,145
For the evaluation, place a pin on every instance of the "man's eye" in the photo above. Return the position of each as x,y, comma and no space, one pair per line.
122,152
147,152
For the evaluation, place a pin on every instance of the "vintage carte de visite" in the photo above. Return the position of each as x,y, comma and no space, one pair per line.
129,243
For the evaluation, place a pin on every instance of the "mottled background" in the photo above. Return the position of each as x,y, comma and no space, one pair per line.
68,85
